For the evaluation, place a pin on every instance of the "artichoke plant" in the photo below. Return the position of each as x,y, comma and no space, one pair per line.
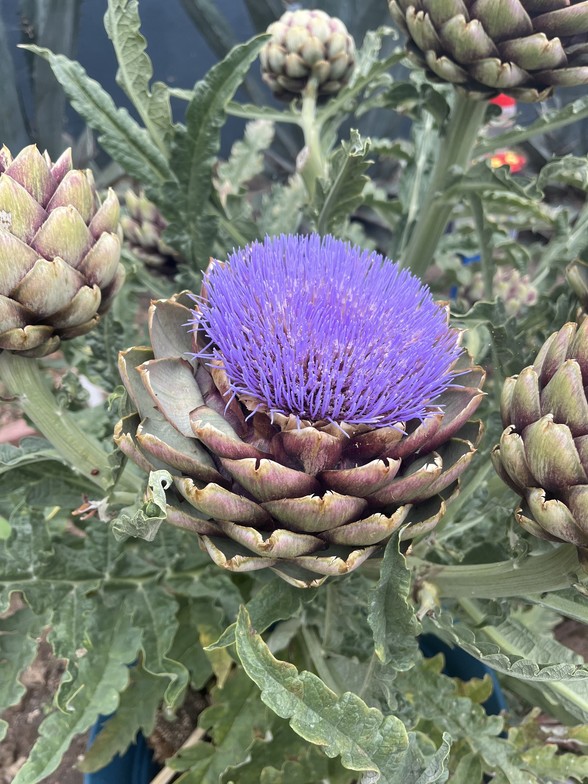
59,252
143,226
523,48
307,45
543,451
319,403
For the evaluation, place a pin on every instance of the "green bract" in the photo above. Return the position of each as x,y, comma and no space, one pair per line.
307,500
543,451
307,45
59,252
520,47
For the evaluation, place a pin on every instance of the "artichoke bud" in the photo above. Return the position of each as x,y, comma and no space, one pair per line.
59,251
143,226
543,451
307,45
522,48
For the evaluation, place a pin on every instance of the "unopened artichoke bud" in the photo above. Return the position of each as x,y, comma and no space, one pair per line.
515,290
320,402
143,226
543,451
304,45
59,252
523,48
577,277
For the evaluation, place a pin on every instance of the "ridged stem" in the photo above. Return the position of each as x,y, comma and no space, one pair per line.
455,149
312,163
25,380
552,571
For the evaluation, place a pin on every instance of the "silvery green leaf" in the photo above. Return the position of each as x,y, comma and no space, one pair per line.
123,138
122,24
365,739
391,616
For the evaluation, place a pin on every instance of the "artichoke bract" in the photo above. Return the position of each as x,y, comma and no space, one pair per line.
523,48
59,252
320,403
143,226
543,450
304,45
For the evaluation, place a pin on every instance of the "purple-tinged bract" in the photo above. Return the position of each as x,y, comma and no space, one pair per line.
316,328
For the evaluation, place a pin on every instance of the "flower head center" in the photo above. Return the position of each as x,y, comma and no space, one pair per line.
313,327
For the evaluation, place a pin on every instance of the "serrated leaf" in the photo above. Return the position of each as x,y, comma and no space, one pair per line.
542,749
136,711
511,648
344,726
569,170
282,208
18,646
338,196
281,757
122,138
185,201
135,71
435,698
154,611
275,601
421,769
97,680
391,616
233,721
246,159
187,647
468,771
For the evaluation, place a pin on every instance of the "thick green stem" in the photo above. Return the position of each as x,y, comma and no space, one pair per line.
552,571
24,379
317,657
485,249
313,165
455,151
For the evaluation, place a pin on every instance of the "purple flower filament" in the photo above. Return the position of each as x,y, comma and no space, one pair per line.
316,328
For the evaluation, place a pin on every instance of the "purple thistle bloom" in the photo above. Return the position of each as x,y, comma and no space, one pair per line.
316,328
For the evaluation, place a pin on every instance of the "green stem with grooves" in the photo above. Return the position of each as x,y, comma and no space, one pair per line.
24,379
552,571
454,152
317,656
485,249
313,166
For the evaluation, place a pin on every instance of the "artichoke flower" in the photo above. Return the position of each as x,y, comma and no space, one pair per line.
143,226
523,48
59,252
319,404
543,450
306,45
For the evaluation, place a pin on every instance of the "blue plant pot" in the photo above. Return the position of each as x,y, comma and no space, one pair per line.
136,766
459,664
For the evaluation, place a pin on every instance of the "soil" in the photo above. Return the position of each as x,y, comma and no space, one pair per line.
41,680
